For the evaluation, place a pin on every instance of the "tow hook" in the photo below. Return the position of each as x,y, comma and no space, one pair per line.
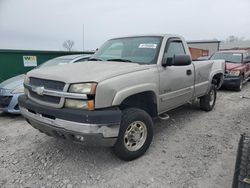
246,180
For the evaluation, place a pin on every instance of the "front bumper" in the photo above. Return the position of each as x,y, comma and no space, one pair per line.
100,127
231,81
9,103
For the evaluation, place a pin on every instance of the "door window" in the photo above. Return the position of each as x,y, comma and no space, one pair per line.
174,48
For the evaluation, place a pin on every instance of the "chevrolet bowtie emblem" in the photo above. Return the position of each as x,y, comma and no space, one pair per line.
38,90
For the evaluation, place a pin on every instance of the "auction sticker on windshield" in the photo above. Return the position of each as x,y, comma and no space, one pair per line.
148,46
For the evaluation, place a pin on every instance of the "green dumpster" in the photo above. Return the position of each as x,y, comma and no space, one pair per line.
15,62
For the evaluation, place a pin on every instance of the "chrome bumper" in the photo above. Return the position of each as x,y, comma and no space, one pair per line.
73,128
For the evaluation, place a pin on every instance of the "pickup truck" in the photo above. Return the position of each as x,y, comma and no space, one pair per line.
237,67
113,98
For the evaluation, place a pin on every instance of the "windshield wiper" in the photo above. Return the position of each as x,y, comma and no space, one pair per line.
121,60
94,59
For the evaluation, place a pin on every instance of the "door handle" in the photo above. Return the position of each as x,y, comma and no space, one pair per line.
189,72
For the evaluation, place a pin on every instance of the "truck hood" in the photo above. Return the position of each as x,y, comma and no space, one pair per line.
233,66
91,71
13,83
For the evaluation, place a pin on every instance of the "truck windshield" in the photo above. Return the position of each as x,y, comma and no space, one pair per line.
142,50
228,57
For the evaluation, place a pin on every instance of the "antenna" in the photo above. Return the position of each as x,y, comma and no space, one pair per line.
83,37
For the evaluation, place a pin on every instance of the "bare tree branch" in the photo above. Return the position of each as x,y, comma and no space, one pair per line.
233,38
68,44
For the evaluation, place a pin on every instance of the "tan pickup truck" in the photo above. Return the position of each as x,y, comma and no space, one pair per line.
113,98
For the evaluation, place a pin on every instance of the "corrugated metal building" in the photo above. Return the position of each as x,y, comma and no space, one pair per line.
196,53
15,62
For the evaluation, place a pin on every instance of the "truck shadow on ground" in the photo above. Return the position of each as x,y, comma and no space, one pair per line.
176,118
7,116
49,154
79,155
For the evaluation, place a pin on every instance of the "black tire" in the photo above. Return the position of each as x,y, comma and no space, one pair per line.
205,101
240,86
130,116
242,166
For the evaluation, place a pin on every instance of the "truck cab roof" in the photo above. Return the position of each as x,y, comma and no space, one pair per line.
151,35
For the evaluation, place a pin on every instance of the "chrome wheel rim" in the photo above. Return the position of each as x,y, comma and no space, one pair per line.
135,136
212,96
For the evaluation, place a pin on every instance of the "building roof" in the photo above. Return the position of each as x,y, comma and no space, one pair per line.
42,51
232,51
235,45
202,41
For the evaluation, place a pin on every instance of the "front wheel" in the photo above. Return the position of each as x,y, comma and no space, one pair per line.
135,135
240,85
207,101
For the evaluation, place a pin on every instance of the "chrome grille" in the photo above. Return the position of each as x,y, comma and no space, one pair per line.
47,84
45,98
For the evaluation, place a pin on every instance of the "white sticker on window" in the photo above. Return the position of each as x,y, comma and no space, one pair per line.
29,61
236,54
148,46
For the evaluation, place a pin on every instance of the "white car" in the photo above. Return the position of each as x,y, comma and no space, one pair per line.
12,88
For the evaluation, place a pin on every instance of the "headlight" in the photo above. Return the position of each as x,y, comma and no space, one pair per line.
26,91
88,88
26,79
18,90
234,73
79,104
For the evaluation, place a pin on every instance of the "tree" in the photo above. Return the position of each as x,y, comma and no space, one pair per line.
233,38
68,44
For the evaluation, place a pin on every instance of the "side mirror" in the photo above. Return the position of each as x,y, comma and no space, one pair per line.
177,60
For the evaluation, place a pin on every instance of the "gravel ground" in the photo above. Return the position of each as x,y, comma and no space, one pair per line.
191,149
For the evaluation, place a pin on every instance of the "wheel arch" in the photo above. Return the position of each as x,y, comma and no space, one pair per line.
145,99
217,79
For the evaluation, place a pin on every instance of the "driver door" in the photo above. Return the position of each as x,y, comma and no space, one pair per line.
176,82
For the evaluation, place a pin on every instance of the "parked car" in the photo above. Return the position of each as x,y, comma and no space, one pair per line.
237,67
113,98
12,88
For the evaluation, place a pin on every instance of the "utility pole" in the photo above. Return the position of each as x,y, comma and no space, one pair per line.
83,37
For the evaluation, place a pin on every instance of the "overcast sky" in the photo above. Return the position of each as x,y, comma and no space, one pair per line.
45,24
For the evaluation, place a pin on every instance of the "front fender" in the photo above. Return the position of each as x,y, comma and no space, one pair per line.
218,68
121,95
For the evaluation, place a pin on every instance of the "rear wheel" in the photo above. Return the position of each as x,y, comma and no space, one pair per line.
207,101
135,136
